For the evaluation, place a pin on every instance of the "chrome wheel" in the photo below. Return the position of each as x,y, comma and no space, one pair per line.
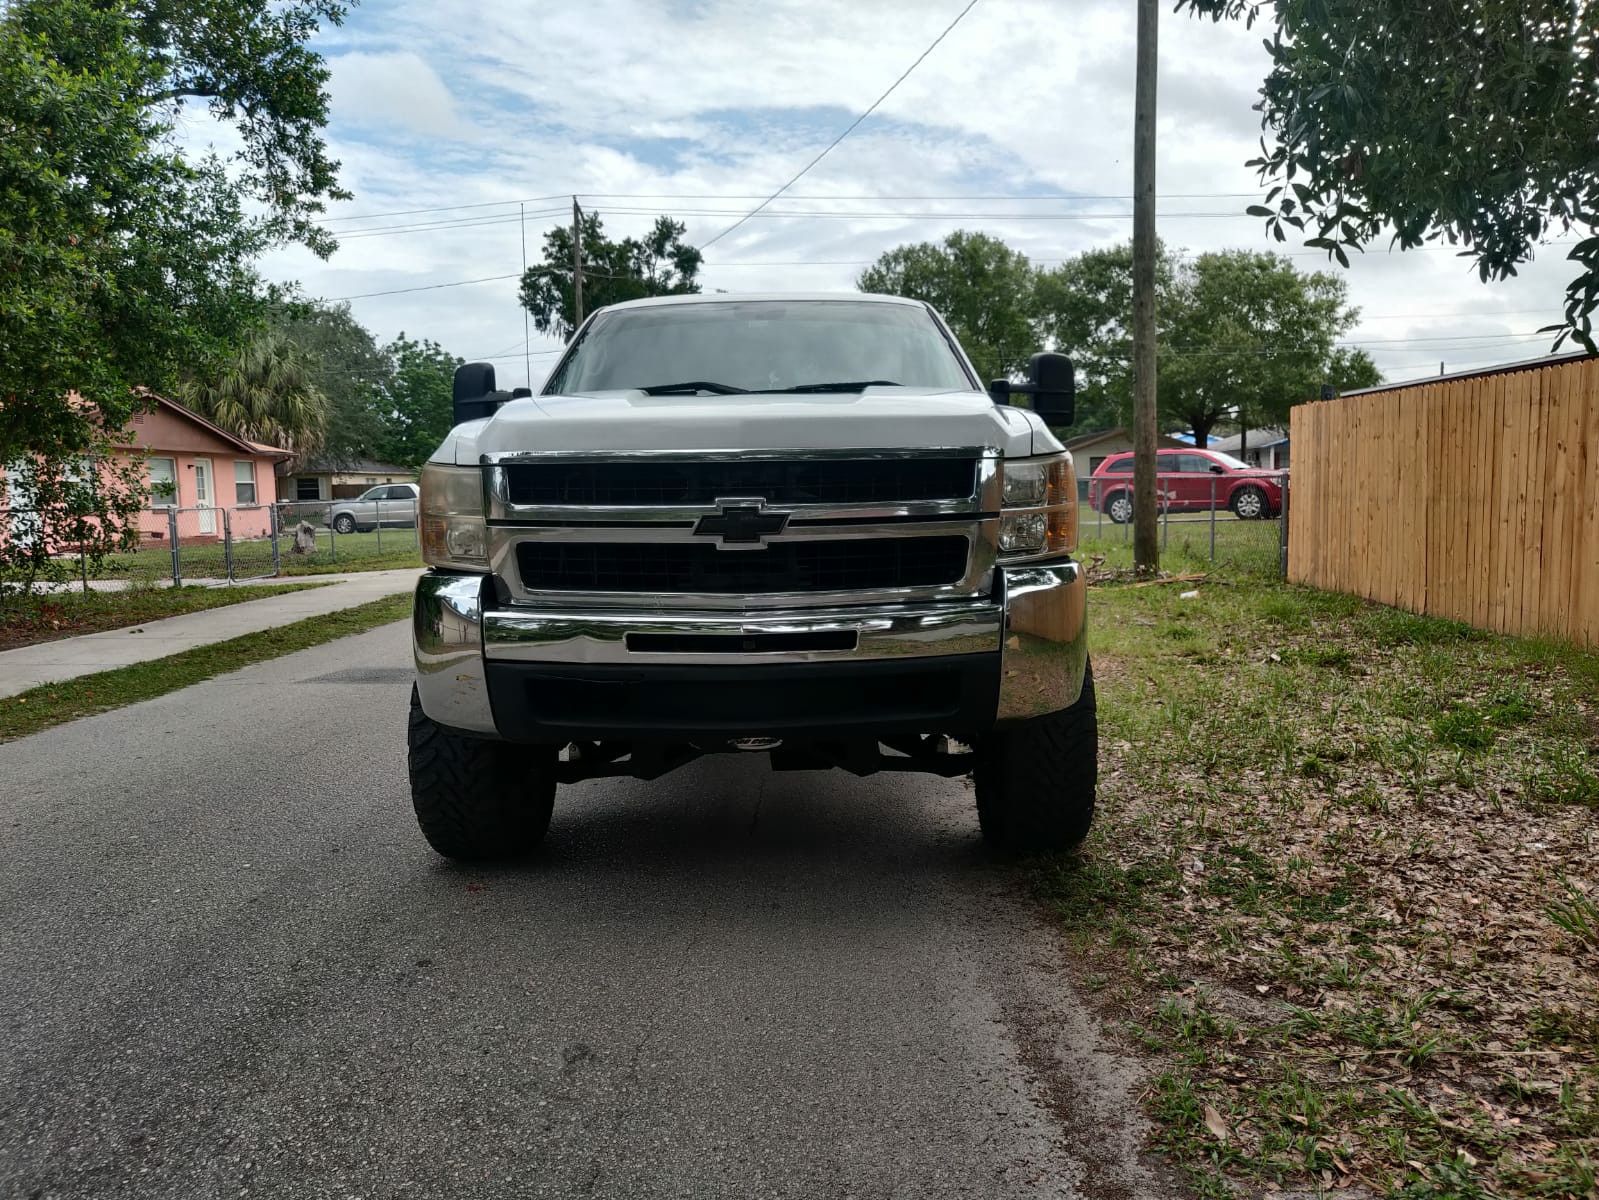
1120,508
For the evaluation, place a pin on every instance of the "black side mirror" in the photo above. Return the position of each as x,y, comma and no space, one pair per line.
474,393
1051,382
1217,469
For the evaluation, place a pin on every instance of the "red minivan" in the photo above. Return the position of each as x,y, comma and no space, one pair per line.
1190,481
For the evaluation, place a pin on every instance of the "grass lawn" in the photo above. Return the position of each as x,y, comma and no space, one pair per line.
1185,542
1342,889
25,620
54,703
372,551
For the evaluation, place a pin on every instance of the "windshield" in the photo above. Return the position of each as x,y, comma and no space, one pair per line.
1237,464
761,345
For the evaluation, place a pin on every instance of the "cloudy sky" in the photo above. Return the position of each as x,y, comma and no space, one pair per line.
448,113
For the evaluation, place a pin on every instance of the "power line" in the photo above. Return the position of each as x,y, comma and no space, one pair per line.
1037,197
851,129
424,287
784,214
438,226
406,212
1009,197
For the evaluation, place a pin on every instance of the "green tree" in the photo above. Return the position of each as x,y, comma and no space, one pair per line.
418,399
982,287
250,63
1248,336
1243,336
265,391
122,265
1084,308
349,368
659,264
1471,121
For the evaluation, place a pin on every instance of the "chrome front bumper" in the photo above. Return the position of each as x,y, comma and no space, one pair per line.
1036,633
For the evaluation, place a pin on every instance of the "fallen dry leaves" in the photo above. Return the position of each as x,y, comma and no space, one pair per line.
1327,921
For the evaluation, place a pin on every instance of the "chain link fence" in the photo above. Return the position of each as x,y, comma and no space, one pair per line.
1203,518
227,545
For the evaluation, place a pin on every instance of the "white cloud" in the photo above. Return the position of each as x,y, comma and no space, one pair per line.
395,92
730,97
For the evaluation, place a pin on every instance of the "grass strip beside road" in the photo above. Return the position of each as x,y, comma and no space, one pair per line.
322,564
373,550
55,703
29,620
1344,891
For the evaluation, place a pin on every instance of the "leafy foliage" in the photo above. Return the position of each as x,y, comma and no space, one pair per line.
418,404
659,264
982,287
1085,308
122,265
349,368
264,392
1250,336
52,509
1243,336
250,62
1467,120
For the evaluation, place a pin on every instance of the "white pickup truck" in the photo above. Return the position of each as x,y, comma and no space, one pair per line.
795,525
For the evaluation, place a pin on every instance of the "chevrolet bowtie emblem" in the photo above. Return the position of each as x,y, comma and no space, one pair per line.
742,524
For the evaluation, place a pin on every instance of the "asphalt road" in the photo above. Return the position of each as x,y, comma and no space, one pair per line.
229,965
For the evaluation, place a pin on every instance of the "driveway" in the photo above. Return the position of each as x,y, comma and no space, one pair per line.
232,967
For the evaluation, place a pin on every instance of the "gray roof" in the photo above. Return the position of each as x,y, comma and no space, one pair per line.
1526,364
1259,439
356,466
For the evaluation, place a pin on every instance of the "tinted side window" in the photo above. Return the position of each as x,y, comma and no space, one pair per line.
1124,467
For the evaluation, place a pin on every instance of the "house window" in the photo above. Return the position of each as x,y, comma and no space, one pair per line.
163,482
307,487
243,482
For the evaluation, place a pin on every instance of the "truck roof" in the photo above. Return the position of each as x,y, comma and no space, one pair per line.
745,297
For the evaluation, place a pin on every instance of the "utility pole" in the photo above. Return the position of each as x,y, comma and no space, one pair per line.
1146,540
577,265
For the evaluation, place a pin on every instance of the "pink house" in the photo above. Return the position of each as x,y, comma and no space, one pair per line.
189,463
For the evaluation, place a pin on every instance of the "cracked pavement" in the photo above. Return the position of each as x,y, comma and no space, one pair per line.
233,967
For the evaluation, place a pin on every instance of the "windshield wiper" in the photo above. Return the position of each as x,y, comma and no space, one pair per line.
846,385
692,386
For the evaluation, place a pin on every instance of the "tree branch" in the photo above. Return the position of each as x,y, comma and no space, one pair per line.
208,92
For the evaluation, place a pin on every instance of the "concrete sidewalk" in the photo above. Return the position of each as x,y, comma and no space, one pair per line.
67,658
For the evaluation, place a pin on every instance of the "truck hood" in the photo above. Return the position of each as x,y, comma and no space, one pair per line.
630,421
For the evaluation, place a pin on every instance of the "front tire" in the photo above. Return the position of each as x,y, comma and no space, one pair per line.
474,798
1119,508
344,523
1249,504
1036,780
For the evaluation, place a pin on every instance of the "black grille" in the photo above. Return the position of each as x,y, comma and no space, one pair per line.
799,481
838,564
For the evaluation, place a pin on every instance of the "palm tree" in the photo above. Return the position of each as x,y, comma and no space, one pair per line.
265,392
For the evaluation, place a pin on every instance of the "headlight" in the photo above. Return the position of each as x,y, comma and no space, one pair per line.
1047,489
454,533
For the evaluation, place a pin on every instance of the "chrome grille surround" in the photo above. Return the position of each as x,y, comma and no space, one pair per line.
975,516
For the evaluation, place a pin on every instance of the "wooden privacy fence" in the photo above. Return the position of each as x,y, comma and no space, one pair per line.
1475,498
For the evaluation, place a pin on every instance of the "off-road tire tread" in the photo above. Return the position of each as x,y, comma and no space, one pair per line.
475,798
1036,781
